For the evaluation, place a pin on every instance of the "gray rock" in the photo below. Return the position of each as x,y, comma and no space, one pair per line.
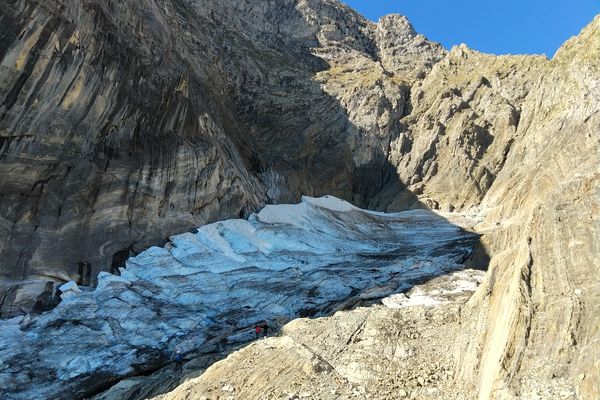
123,123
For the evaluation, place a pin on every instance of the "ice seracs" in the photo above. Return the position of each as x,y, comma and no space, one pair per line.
205,290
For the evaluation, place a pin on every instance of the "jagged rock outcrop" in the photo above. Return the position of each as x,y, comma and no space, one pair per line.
465,114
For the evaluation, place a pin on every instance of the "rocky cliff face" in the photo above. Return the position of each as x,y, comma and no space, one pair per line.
537,320
123,123
111,141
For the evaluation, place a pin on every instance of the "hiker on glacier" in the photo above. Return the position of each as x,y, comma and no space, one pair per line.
261,327
265,329
258,330
178,358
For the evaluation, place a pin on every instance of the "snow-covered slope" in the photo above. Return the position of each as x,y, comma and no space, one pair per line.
204,291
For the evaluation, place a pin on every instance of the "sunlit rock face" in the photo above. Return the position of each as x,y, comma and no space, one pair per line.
206,290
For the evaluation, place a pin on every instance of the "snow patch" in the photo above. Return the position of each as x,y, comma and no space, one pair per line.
330,203
439,291
401,300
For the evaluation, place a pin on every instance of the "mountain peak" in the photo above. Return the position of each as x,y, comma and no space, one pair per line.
398,24
584,47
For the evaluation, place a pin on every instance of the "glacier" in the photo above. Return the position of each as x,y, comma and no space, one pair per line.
204,291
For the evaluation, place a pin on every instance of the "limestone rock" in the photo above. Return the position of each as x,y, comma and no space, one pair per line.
539,308
124,122
465,114
109,143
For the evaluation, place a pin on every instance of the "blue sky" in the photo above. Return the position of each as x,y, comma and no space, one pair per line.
491,26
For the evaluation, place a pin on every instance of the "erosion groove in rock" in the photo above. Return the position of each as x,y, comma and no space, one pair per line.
124,122
203,292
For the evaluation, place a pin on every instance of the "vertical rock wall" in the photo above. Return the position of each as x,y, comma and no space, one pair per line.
110,142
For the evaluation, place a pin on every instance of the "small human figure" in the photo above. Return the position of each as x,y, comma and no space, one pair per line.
178,358
258,330
265,329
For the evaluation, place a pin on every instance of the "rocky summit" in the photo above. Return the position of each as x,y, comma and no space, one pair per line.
123,123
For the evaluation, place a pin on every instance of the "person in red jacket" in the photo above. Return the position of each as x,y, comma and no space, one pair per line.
258,330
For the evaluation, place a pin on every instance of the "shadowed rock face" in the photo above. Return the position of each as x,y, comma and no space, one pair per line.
109,142
122,123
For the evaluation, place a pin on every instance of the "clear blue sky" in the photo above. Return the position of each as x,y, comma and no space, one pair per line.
491,26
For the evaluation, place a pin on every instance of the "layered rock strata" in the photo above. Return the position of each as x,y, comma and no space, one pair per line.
122,123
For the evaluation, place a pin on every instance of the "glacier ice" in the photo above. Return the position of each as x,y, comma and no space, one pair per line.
205,290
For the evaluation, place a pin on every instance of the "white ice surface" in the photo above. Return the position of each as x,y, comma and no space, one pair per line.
206,290
69,289
438,291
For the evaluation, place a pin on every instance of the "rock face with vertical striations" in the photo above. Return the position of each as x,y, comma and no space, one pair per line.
124,122
536,321
110,140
